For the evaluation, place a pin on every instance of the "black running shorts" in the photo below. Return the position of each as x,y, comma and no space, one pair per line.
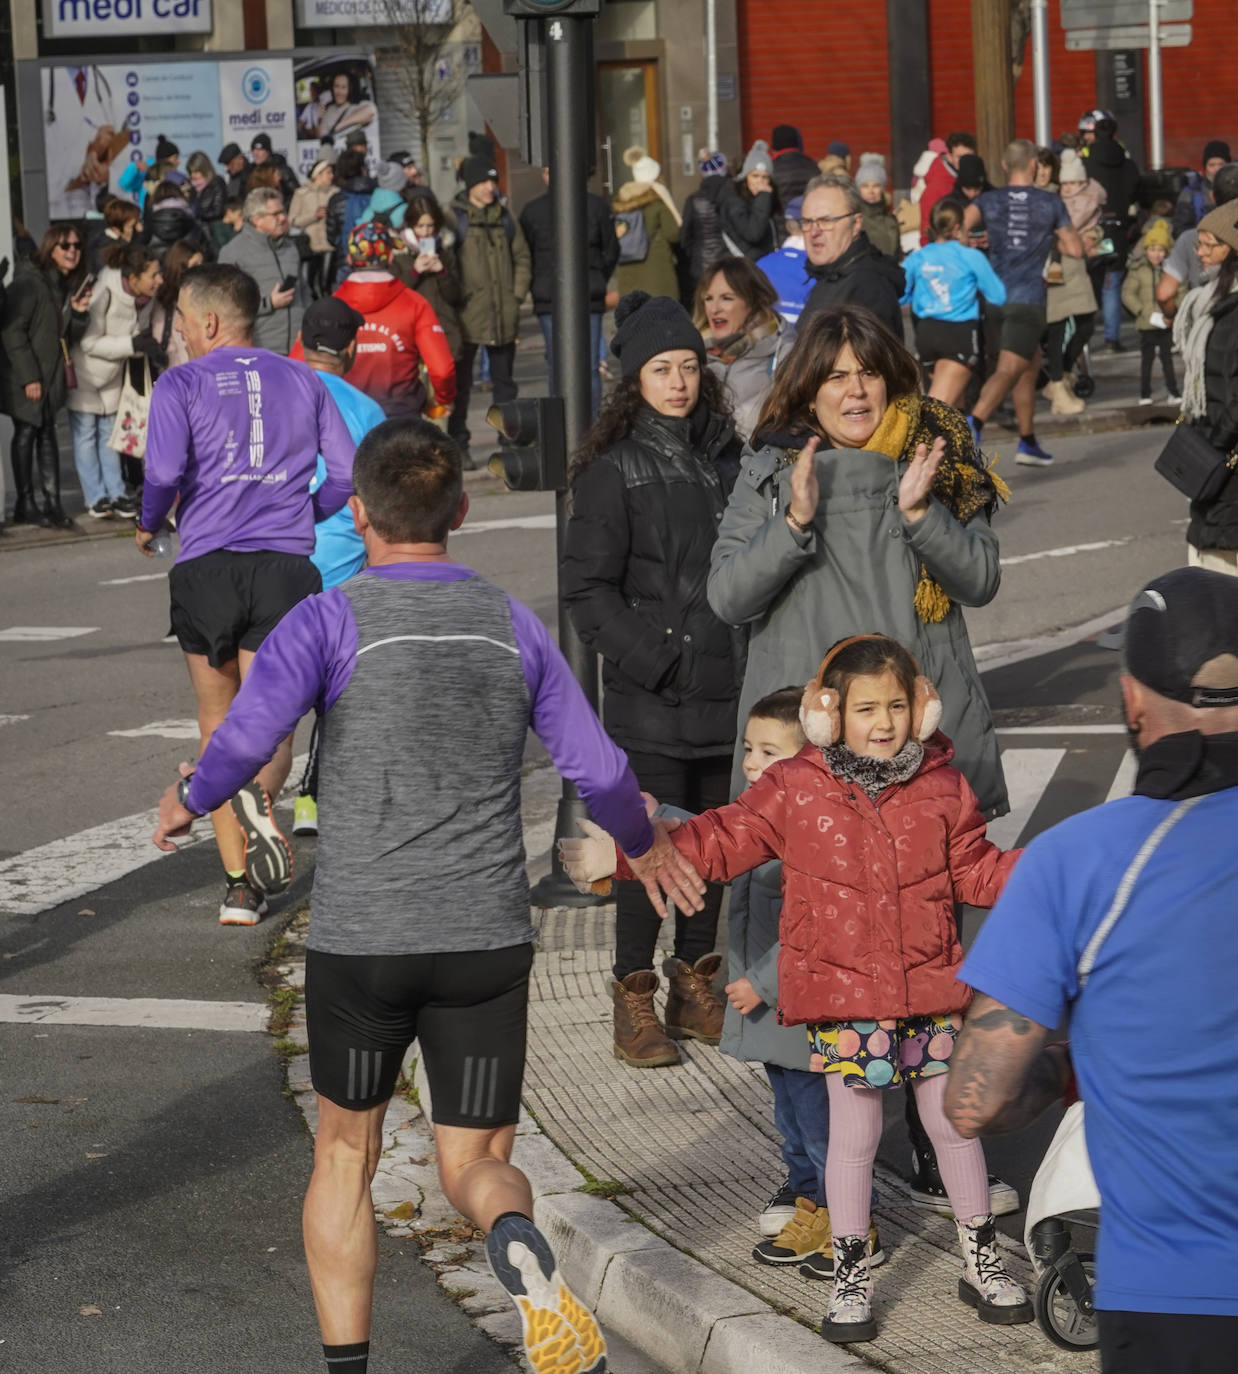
224,601
1020,328
958,341
467,1011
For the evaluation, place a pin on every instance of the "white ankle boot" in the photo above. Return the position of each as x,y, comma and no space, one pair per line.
985,1284
849,1317
1063,400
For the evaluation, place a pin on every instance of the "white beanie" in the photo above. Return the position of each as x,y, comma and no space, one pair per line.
644,168
1071,167
872,168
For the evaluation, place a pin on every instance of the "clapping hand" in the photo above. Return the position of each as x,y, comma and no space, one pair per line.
805,489
917,482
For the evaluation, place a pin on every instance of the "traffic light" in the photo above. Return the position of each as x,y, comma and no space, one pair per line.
534,457
541,9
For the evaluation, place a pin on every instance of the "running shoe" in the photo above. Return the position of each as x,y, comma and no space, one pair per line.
559,1332
305,815
126,506
1032,455
268,855
100,510
243,905
778,1210
927,1190
1145,400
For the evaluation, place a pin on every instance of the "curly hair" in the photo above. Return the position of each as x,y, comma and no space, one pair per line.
619,411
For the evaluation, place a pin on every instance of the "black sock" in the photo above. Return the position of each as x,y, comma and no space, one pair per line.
347,1359
1029,439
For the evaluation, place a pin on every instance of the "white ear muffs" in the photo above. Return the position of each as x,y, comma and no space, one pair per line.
925,709
819,715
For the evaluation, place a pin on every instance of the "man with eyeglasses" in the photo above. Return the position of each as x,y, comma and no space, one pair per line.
269,254
847,269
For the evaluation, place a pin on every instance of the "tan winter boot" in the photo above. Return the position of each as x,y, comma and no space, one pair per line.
1063,400
694,1010
639,1037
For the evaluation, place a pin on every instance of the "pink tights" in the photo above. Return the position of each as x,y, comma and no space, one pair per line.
855,1133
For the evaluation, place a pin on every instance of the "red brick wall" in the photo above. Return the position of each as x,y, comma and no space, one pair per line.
832,78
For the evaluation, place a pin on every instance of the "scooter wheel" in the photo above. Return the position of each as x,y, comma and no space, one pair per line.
1084,385
1058,1314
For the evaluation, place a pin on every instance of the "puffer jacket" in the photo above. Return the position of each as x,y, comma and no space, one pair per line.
869,888
634,572
496,269
749,376
209,203
700,235
656,272
793,170
170,221
99,357
1139,291
1215,525
861,276
537,222
749,222
37,314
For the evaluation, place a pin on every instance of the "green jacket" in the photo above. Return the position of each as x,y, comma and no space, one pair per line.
656,274
1139,291
496,269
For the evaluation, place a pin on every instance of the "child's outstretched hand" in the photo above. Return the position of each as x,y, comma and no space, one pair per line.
590,863
743,996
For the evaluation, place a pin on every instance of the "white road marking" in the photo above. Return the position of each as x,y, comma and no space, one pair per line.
158,1013
42,634
1061,730
1028,773
162,729
1124,779
12,720
1066,551
516,522
1003,653
141,577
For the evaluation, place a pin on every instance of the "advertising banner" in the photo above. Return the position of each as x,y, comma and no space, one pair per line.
334,95
256,97
95,19
330,14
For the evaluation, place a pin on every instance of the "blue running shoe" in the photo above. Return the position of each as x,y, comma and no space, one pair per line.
559,1332
975,431
1032,455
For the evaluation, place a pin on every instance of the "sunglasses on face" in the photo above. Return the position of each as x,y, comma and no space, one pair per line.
69,246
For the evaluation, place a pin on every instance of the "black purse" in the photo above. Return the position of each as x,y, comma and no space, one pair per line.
1196,467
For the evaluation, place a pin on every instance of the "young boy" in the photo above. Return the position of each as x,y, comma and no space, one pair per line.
1139,297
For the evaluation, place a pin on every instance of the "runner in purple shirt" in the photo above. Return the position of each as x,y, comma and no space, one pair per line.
234,435
428,679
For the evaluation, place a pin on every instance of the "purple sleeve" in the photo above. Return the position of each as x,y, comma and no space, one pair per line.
305,661
578,746
167,450
337,447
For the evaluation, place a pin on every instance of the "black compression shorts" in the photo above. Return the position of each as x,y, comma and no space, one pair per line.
958,341
225,601
467,1011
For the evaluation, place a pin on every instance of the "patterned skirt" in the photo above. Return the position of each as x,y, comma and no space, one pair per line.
885,1054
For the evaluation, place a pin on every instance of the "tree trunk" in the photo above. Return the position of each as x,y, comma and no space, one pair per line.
993,82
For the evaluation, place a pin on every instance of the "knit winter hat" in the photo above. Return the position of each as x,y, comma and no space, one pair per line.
972,170
1072,168
390,176
648,325
1222,223
872,168
759,159
165,149
645,169
712,164
371,245
786,136
1157,234
1216,148
475,170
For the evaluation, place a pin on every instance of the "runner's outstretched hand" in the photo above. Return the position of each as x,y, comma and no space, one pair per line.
663,869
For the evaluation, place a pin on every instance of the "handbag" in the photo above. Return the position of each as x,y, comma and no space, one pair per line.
129,428
1195,466
70,372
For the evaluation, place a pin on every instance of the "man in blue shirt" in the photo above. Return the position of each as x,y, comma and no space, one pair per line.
787,268
1152,1031
1024,224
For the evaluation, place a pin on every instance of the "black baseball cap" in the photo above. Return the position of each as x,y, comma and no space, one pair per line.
1181,621
228,152
403,159
329,325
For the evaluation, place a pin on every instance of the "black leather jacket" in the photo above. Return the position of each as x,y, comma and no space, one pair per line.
636,562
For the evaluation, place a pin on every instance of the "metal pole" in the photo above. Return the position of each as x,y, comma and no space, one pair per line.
711,75
1156,112
567,75
1040,72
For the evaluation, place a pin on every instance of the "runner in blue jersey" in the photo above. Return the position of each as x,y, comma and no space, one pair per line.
233,440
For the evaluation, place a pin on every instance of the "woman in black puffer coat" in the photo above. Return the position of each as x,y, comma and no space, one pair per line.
169,219
648,489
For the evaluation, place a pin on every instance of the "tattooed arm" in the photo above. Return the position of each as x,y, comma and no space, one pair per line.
1002,1074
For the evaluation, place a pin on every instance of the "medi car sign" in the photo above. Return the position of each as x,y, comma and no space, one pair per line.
118,18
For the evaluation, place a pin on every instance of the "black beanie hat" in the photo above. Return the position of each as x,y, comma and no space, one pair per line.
474,170
649,325
786,136
165,149
1217,148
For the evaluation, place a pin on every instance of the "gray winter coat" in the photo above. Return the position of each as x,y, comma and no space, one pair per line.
856,571
749,378
269,261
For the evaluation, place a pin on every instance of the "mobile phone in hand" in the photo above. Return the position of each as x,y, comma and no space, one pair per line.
289,283
426,246
87,282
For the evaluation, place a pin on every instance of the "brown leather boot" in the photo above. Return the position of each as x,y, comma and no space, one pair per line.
693,1009
639,1037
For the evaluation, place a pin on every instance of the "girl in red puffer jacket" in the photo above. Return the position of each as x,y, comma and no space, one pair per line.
879,838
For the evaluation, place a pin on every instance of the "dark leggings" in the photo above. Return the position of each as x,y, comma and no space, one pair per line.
1152,342
1062,354
36,460
695,785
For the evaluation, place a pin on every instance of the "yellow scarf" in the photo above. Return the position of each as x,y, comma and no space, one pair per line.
962,485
